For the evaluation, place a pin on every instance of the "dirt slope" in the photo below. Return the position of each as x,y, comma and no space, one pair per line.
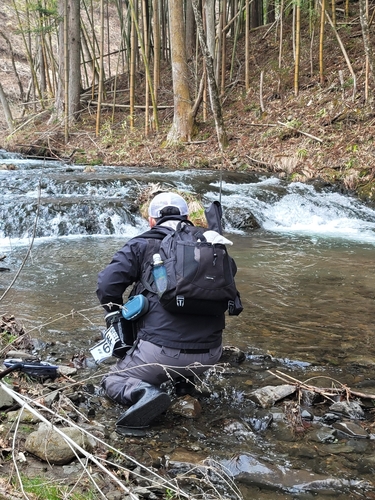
325,132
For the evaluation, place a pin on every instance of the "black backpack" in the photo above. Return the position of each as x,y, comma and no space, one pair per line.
200,274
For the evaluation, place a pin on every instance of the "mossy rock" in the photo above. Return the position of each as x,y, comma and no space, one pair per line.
367,191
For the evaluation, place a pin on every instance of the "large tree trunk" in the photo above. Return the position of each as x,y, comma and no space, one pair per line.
69,55
182,126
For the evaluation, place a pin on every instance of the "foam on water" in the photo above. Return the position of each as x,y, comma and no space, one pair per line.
301,209
75,203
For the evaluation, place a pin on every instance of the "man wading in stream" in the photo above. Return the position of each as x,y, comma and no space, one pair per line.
168,344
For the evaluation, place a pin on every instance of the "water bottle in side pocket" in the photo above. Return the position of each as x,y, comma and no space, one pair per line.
159,274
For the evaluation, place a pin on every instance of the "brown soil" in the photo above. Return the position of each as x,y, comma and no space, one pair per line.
321,133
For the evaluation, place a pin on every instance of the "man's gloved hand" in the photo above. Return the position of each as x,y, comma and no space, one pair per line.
124,330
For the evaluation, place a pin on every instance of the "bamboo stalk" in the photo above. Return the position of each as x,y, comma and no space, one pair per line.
247,44
301,132
27,44
146,61
281,33
298,48
344,54
101,77
133,41
321,41
235,41
156,32
147,68
66,73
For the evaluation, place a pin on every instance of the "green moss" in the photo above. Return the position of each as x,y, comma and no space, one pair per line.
367,191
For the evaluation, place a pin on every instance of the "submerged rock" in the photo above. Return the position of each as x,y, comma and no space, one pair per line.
259,424
350,429
250,470
352,409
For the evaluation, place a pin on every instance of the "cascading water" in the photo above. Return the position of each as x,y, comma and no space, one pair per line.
76,201
306,281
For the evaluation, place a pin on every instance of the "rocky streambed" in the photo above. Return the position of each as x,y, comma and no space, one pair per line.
255,427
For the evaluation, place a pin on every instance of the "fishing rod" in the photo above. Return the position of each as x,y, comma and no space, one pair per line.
41,369
214,212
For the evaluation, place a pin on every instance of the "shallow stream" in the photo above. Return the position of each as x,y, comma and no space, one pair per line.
306,279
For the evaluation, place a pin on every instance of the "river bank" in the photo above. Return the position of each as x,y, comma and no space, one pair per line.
299,274
290,139
216,443
325,132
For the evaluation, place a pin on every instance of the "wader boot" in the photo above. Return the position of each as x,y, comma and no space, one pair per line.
149,402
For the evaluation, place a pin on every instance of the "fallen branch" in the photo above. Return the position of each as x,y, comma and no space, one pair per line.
262,124
260,163
323,391
301,132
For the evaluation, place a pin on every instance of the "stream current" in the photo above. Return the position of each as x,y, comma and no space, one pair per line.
306,277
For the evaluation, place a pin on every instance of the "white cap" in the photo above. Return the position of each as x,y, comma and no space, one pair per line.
164,200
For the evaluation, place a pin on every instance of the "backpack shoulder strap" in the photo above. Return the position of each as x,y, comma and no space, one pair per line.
157,233
195,231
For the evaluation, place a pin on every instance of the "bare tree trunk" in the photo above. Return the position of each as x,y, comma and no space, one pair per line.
209,8
247,45
298,48
321,41
182,127
156,20
74,60
101,70
256,13
6,108
366,38
223,50
214,94
190,30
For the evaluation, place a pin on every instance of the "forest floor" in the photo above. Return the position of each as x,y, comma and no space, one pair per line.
325,132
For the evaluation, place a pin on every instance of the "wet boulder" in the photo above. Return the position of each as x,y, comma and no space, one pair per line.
232,355
187,407
268,395
241,430
50,445
241,218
